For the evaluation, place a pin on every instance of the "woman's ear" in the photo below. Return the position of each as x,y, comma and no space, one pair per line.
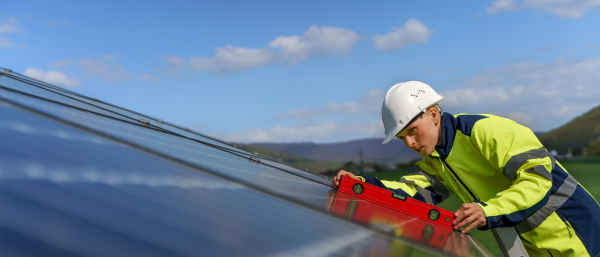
434,114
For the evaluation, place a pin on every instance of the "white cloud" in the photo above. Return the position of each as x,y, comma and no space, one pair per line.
108,71
174,61
149,78
8,27
343,124
564,8
53,23
540,95
231,59
413,32
52,77
370,102
103,67
5,42
315,42
62,63
110,58
324,131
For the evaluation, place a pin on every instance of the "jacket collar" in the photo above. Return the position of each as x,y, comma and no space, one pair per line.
448,132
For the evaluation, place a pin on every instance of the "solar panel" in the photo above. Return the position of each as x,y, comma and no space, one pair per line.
75,180
42,90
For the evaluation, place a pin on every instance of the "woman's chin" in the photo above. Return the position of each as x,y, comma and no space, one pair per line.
424,153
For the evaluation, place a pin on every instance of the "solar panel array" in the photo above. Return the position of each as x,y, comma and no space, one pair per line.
81,177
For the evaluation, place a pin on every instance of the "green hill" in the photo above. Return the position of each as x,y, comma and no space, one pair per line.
372,150
576,135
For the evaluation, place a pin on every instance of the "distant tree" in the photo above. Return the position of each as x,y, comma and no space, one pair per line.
362,159
577,151
380,166
350,166
594,148
406,165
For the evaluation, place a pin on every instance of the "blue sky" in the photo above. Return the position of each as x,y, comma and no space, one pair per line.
282,71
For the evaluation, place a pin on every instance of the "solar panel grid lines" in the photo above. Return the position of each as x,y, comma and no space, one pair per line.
241,161
21,77
28,100
159,125
32,219
94,102
287,196
238,152
63,197
101,105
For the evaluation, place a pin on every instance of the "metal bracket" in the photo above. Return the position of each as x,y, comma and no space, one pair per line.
144,122
5,71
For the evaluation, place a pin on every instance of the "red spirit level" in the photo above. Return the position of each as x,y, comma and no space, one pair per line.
388,220
396,202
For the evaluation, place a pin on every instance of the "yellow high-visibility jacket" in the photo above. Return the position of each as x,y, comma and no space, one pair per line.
503,166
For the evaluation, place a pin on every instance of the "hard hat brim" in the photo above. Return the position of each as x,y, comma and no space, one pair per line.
393,133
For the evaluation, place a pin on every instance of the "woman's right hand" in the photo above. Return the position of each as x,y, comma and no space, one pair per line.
336,180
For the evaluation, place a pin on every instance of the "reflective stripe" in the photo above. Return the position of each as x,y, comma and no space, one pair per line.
556,200
423,192
541,170
438,187
514,164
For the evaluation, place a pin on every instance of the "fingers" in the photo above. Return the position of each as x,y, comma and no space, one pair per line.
469,213
466,219
336,180
470,227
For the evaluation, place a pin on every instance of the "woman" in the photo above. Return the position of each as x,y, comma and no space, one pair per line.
497,167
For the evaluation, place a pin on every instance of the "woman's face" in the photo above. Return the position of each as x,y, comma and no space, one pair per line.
423,134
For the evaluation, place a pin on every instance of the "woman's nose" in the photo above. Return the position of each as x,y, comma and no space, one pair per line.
409,141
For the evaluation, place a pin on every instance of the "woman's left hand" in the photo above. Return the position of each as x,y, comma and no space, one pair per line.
469,212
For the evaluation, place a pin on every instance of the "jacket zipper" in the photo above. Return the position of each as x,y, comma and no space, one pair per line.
458,178
572,230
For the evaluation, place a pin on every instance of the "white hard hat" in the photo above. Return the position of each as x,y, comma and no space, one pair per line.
402,103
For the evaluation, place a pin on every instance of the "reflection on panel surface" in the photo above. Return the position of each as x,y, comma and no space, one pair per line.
73,182
71,100
186,150
46,91
400,225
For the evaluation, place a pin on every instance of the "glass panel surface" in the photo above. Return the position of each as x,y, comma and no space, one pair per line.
86,103
49,92
67,192
224,163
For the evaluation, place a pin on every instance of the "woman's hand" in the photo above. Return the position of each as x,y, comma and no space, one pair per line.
469,212
336,180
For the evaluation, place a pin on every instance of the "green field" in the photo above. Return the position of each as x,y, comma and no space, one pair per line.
586,171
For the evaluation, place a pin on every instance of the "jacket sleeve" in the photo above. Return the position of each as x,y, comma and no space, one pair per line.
420,184
516,152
